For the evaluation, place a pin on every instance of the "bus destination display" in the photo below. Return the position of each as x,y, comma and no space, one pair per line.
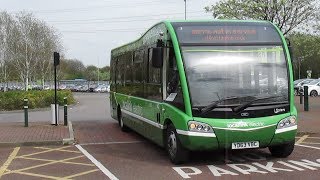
227,34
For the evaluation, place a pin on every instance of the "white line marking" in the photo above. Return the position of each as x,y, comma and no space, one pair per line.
106,143
97,163
310,143
314,137
307,146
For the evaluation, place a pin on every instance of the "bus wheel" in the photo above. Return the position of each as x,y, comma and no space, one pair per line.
282,151
314,93
123,127
177,153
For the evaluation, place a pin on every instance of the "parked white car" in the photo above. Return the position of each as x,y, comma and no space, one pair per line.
108,88
314,88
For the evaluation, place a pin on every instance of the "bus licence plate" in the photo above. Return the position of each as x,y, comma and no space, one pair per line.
245,145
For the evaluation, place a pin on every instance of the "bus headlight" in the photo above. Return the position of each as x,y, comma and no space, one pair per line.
199,127
287,122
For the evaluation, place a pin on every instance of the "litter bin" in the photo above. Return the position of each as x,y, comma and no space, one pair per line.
53,114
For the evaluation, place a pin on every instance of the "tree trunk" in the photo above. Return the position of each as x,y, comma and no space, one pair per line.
5,79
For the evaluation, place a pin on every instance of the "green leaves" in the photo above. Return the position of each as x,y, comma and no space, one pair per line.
306,54
286,14
13,100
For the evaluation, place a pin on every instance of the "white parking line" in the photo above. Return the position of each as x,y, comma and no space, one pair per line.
310,143
117,142
312,147
97,163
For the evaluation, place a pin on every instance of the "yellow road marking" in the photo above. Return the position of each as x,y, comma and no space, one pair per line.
302,139
49,160
50,150
41,165
41,175
82,173
9,160
58,150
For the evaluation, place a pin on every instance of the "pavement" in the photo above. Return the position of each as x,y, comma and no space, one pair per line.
309,121
40,130
15,134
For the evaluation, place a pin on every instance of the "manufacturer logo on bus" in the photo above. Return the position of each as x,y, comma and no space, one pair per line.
278,110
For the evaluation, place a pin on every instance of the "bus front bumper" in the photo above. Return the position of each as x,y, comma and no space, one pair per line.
223,139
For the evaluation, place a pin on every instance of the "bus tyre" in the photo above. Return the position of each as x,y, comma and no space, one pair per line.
177,153
282,151
123,127
314,93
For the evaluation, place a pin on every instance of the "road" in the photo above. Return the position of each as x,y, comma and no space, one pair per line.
89,106
103,151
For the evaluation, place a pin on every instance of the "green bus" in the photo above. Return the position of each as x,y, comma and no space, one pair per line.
206,85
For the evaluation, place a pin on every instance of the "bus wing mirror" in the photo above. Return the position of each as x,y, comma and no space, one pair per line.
157,57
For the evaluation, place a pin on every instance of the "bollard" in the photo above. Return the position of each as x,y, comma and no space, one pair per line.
301,96
306,98
65,111
25,107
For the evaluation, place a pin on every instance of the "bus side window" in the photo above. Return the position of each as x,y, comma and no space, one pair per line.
153,85
174,90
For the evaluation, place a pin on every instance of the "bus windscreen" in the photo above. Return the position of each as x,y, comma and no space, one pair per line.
263,33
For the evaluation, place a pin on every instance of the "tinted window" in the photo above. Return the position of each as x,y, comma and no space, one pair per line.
153,85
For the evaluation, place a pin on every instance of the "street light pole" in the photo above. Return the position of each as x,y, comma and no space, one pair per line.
185,9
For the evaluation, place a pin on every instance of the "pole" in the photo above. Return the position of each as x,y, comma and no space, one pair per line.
185,9
299,67
25,107
306,99
301,96
98,72
56,62
65,111
55,95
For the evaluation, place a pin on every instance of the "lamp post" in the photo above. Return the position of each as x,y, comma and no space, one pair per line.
185,9
299,65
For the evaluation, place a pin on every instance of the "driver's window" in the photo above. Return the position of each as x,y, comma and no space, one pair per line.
173,86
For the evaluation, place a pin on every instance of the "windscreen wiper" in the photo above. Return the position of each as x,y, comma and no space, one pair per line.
242,107
215,104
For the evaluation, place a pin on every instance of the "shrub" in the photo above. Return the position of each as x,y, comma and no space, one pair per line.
13,100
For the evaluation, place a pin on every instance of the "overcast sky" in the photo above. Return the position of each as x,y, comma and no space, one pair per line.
91,28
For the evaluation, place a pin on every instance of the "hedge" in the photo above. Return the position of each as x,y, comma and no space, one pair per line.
13,100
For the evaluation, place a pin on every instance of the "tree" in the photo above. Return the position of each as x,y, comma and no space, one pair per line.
27,45
91,73
5,55
307,54
71,69
286,14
